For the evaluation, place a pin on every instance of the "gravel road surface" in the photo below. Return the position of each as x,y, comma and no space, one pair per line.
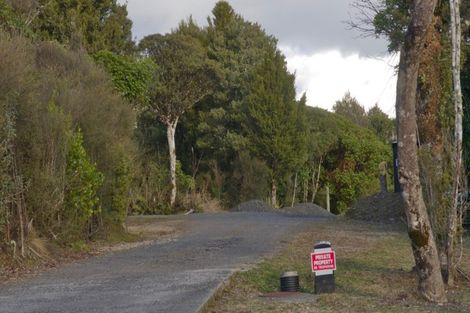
176,276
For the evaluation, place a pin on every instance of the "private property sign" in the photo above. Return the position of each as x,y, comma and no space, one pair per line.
323,261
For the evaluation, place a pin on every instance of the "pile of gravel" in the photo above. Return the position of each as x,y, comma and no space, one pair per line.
307,209
252,206
383,207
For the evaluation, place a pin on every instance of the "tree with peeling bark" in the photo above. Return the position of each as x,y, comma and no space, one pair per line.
456,34
184,76
431,284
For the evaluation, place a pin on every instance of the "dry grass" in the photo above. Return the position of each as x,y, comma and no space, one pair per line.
374,275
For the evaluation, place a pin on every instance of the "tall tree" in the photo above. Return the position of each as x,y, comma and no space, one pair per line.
431,285
184,76
274,125
238,46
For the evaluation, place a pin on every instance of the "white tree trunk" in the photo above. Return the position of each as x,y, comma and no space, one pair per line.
274,193
170,132
453,214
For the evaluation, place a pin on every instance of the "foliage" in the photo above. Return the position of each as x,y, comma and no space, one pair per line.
11,21
50,91
213,128
184,75
392,21
121,191
351,157
131,78
273,123
249,180
81,190
97,25
350,108
380,123
185,182
7,183
150,188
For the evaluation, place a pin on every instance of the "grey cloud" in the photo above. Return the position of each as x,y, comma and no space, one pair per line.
308,26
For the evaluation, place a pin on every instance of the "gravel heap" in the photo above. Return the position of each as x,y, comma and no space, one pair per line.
307,209
383,207
252,206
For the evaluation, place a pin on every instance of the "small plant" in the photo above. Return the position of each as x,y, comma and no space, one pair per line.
83,182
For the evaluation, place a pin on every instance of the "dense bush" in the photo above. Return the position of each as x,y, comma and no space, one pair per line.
48,93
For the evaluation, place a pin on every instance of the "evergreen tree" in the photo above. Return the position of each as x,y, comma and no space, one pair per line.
273,123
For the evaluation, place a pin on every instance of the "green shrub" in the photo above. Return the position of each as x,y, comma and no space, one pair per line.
81,193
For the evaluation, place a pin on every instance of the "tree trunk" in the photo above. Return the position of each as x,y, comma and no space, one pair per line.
170,132
304,199
274,193
431,285
316,181
294,191
453,214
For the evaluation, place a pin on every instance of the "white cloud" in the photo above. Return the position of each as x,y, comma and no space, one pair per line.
326,76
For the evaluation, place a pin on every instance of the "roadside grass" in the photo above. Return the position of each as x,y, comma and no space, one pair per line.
374,264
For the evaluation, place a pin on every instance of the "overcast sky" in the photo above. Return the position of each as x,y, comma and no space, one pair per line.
328,59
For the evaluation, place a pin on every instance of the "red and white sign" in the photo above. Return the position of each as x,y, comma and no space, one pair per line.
323,261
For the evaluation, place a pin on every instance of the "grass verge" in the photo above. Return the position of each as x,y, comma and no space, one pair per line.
374,274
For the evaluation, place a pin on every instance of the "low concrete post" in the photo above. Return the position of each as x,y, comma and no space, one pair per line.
323,261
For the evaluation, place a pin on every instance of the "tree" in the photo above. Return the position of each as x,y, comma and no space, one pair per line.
273,123
81,191
349,154
184,76
388,18
131,78
350,108
97,25
237,46
380,123
431,285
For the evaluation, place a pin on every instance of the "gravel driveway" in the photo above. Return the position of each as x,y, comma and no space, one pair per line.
176,276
